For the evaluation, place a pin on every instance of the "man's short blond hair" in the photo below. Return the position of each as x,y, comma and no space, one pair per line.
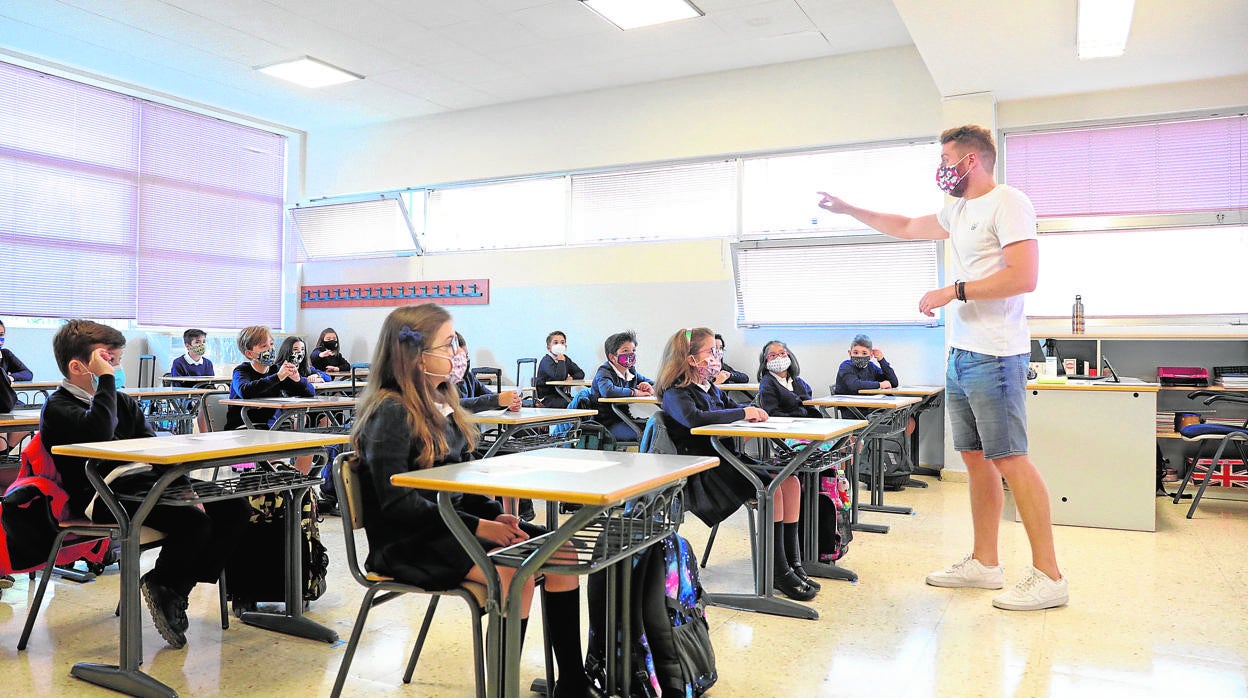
976,138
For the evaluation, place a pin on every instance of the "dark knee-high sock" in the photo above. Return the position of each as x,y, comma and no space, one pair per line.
780,555
792,547
563,613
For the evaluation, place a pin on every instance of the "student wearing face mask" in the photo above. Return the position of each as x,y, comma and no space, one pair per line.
474,395
727,374
991,229
261,376
781,391
617,378
556,365
11,369
858,372
691,399
193,362
295,351
327,356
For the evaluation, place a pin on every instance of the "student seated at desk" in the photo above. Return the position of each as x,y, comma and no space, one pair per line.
858,373
294,350
555,366
727,374
474,395
690,399
193,362
261,376
616,378
408,419
327,356
11,370
87,407
781,391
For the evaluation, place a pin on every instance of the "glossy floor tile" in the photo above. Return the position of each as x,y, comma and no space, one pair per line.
1151,614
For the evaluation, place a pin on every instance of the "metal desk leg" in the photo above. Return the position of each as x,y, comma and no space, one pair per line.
293,622
618,409
877,487
762,601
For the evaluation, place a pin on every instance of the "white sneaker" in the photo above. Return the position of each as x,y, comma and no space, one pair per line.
1035,592
969,573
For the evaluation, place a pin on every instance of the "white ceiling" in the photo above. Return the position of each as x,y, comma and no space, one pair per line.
429,56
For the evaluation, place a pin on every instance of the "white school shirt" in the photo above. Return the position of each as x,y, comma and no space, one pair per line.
979,230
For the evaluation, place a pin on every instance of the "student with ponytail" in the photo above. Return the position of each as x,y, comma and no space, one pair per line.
410,418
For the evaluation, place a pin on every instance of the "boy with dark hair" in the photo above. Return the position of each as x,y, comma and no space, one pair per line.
193,363
555,366
616,378
858,373
87,407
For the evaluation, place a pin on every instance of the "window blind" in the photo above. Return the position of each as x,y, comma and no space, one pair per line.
523,213
376,226
694,200
834,284
1179,166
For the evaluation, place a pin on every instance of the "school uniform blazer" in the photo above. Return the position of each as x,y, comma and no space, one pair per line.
8,398
474,395
182,367
248,383
550,370
778,401
734,376
850,380
407,538
712,495
66,419
13,366
607,383
322,362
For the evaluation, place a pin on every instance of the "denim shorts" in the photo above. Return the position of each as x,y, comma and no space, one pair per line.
986,398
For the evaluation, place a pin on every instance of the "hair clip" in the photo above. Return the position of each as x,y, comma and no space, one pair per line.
407,333
688,335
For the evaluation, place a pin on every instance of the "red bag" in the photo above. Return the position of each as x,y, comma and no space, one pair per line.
29,513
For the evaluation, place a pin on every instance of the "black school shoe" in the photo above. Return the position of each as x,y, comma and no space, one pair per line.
168,609
793,587
801,574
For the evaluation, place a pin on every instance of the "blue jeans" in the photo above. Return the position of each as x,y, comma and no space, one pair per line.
986,397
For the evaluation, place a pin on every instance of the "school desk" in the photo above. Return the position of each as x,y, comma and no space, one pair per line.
620,404
27,390
628,503
221,382
293,411
179,407
525,430
886,416
563,388
817,432
173,457
930,396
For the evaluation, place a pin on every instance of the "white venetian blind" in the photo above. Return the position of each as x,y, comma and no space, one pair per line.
210,216
372,227
523,213
834,284
694,200
69,159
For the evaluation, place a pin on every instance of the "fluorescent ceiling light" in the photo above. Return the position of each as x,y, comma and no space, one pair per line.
632,14
1103,27
309,72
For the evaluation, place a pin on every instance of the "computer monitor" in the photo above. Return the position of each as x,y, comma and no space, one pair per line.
1114,374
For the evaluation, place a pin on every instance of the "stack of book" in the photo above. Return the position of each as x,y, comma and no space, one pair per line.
1233,377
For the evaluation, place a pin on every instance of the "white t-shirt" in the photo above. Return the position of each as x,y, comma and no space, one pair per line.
979,230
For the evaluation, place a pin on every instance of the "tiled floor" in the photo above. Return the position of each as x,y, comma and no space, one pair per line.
1150,614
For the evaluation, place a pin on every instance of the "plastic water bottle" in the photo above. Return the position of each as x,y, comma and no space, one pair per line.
1076,316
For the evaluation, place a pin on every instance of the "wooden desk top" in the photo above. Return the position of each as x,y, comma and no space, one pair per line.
1099,386
190,448
572,383
785,428
21,417
873,402
297,403
751,387
144,393
912,390
633,400
19,386
197,379
529,415
336,385
579,476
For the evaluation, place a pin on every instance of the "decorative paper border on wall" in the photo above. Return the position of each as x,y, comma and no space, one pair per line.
453,292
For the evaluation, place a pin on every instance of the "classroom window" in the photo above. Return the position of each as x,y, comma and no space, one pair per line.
833,282
376,226
693,200
521,213
1129,212
779,192
115,207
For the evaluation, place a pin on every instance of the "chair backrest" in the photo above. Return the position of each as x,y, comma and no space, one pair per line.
216,412
532,363
581,400
351,504
147,370
654,439
490,371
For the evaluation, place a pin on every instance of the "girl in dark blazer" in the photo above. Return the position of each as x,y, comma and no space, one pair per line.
410,418
780,390
690,399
